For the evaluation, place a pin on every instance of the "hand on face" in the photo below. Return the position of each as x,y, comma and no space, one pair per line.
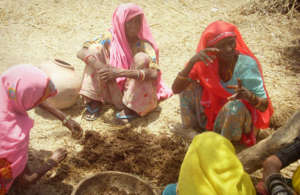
240,91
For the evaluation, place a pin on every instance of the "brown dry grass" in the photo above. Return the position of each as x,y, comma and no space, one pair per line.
288,7
36,30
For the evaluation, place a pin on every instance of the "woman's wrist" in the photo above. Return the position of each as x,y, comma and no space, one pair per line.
66,120
187,69
254,100
191,62
121,72
128,73
48,165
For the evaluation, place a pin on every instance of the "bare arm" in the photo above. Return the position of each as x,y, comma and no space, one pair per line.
72,125
243,93
28,177
182,80
150,74
111,73
54,111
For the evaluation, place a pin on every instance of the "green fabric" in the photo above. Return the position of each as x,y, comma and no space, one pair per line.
247,70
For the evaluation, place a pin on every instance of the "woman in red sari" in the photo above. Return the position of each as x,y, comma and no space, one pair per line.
222,88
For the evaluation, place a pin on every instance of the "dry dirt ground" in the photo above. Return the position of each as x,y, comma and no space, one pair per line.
38,30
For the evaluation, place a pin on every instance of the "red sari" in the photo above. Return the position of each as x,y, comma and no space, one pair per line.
214,96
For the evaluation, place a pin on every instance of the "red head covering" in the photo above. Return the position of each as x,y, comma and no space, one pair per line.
214,95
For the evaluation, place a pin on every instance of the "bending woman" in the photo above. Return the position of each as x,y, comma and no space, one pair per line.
222,88
22,88
120,68
211,166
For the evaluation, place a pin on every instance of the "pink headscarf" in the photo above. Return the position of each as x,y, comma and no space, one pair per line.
120,52
21,88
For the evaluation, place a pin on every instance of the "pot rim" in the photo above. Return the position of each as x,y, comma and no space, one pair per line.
114,173
63,64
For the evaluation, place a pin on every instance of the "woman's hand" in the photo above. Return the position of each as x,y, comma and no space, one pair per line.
203,56
108,74
75,128
240,91
59,155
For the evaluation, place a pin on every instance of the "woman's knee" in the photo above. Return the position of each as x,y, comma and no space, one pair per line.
235,107
141,60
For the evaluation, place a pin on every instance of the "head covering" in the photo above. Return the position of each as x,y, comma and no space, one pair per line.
296,180
120,52
208,76
21,88
211,166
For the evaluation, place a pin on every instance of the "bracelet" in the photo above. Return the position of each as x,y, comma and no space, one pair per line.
138,77
87,58
65,121
143,75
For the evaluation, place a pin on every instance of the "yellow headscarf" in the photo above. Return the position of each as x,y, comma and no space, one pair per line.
296,180
212,167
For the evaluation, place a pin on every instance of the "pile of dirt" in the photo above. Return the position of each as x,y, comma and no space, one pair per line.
156,158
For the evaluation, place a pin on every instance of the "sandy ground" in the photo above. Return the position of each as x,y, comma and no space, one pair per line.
37,30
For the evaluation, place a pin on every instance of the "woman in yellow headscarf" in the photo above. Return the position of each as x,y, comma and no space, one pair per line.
211,167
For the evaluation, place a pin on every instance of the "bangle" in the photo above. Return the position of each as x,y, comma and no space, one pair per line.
65,121
143,75
138,73
87,58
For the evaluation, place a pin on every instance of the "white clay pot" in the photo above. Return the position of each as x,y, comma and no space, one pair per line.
66,80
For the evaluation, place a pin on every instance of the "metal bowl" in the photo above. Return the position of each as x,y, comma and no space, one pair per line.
113,183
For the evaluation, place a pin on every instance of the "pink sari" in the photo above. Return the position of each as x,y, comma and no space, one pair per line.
120,53
22,88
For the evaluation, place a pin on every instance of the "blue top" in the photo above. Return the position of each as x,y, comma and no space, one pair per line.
247,70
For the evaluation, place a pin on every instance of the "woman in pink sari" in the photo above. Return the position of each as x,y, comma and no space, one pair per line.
22,88
122,67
